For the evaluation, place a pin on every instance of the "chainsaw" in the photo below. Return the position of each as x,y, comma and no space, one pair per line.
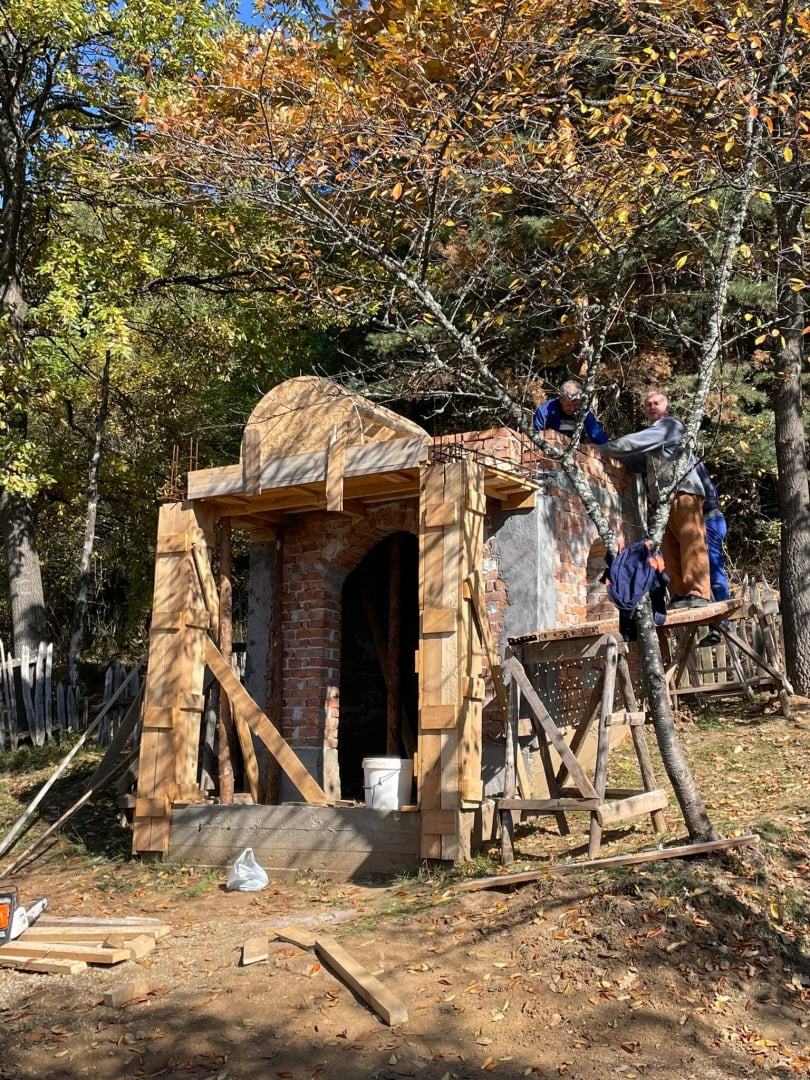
15,920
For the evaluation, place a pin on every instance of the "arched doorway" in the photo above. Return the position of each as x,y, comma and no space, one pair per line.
378,683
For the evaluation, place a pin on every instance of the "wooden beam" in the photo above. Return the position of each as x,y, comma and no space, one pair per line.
207,584
683,852
393,726
646,803
367,986
547,806
262,728
336,467
475,590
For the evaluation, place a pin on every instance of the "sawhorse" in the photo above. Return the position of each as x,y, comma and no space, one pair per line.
606,806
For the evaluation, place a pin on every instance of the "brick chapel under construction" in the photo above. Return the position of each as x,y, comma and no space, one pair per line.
388,571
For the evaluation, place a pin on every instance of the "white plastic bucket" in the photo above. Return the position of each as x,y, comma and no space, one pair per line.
388,782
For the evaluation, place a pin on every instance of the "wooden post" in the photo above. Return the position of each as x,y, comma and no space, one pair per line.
450,657
659,821
275,666
173,699
603,742
509,786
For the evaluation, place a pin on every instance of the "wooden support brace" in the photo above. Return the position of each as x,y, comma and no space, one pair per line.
208,586
439,620
474,591
548,806
625,717
437,717
173,544
336,468
172,621
635,806
261,726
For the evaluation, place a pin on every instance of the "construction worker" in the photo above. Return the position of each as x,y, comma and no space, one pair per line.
716,529
559,413
655,450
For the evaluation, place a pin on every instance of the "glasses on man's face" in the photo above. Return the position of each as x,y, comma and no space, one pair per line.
572,398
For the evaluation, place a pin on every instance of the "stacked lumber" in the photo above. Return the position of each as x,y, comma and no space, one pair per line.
55,945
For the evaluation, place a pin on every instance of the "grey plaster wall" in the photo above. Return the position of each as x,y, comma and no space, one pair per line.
523,545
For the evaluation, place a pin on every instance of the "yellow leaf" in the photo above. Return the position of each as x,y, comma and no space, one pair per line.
744,446
787,154
397,192
681,262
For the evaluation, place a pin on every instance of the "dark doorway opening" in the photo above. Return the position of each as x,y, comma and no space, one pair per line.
380,628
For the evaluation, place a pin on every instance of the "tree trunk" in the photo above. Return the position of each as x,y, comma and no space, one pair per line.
672,755
80,607
791,453
26,595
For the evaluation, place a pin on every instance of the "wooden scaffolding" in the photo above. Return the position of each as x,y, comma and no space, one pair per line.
570,787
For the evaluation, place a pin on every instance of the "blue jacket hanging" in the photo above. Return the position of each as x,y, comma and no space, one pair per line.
633,573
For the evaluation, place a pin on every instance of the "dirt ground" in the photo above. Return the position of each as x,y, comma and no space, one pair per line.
675,969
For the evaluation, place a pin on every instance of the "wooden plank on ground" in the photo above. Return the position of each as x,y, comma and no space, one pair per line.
255,949
46,967
302,936
367,986
48,950
137,946
682,852
124,993
141,925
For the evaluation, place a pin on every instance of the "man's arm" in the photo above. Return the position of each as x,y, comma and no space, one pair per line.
639,442
594,430
545,416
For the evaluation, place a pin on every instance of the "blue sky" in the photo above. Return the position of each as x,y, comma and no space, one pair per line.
245,10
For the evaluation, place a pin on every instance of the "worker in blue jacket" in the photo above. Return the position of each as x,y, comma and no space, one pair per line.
559,414
716,528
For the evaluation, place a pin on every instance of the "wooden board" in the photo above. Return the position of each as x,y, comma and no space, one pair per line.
124,993
367,986
167,766
683,852
46,967
21,948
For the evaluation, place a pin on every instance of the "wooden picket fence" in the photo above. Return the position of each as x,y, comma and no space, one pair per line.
34,710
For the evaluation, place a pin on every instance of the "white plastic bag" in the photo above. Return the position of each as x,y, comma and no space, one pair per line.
246,875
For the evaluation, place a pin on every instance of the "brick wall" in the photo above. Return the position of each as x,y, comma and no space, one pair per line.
319,552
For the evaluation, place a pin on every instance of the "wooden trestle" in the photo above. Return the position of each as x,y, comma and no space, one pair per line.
570,787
